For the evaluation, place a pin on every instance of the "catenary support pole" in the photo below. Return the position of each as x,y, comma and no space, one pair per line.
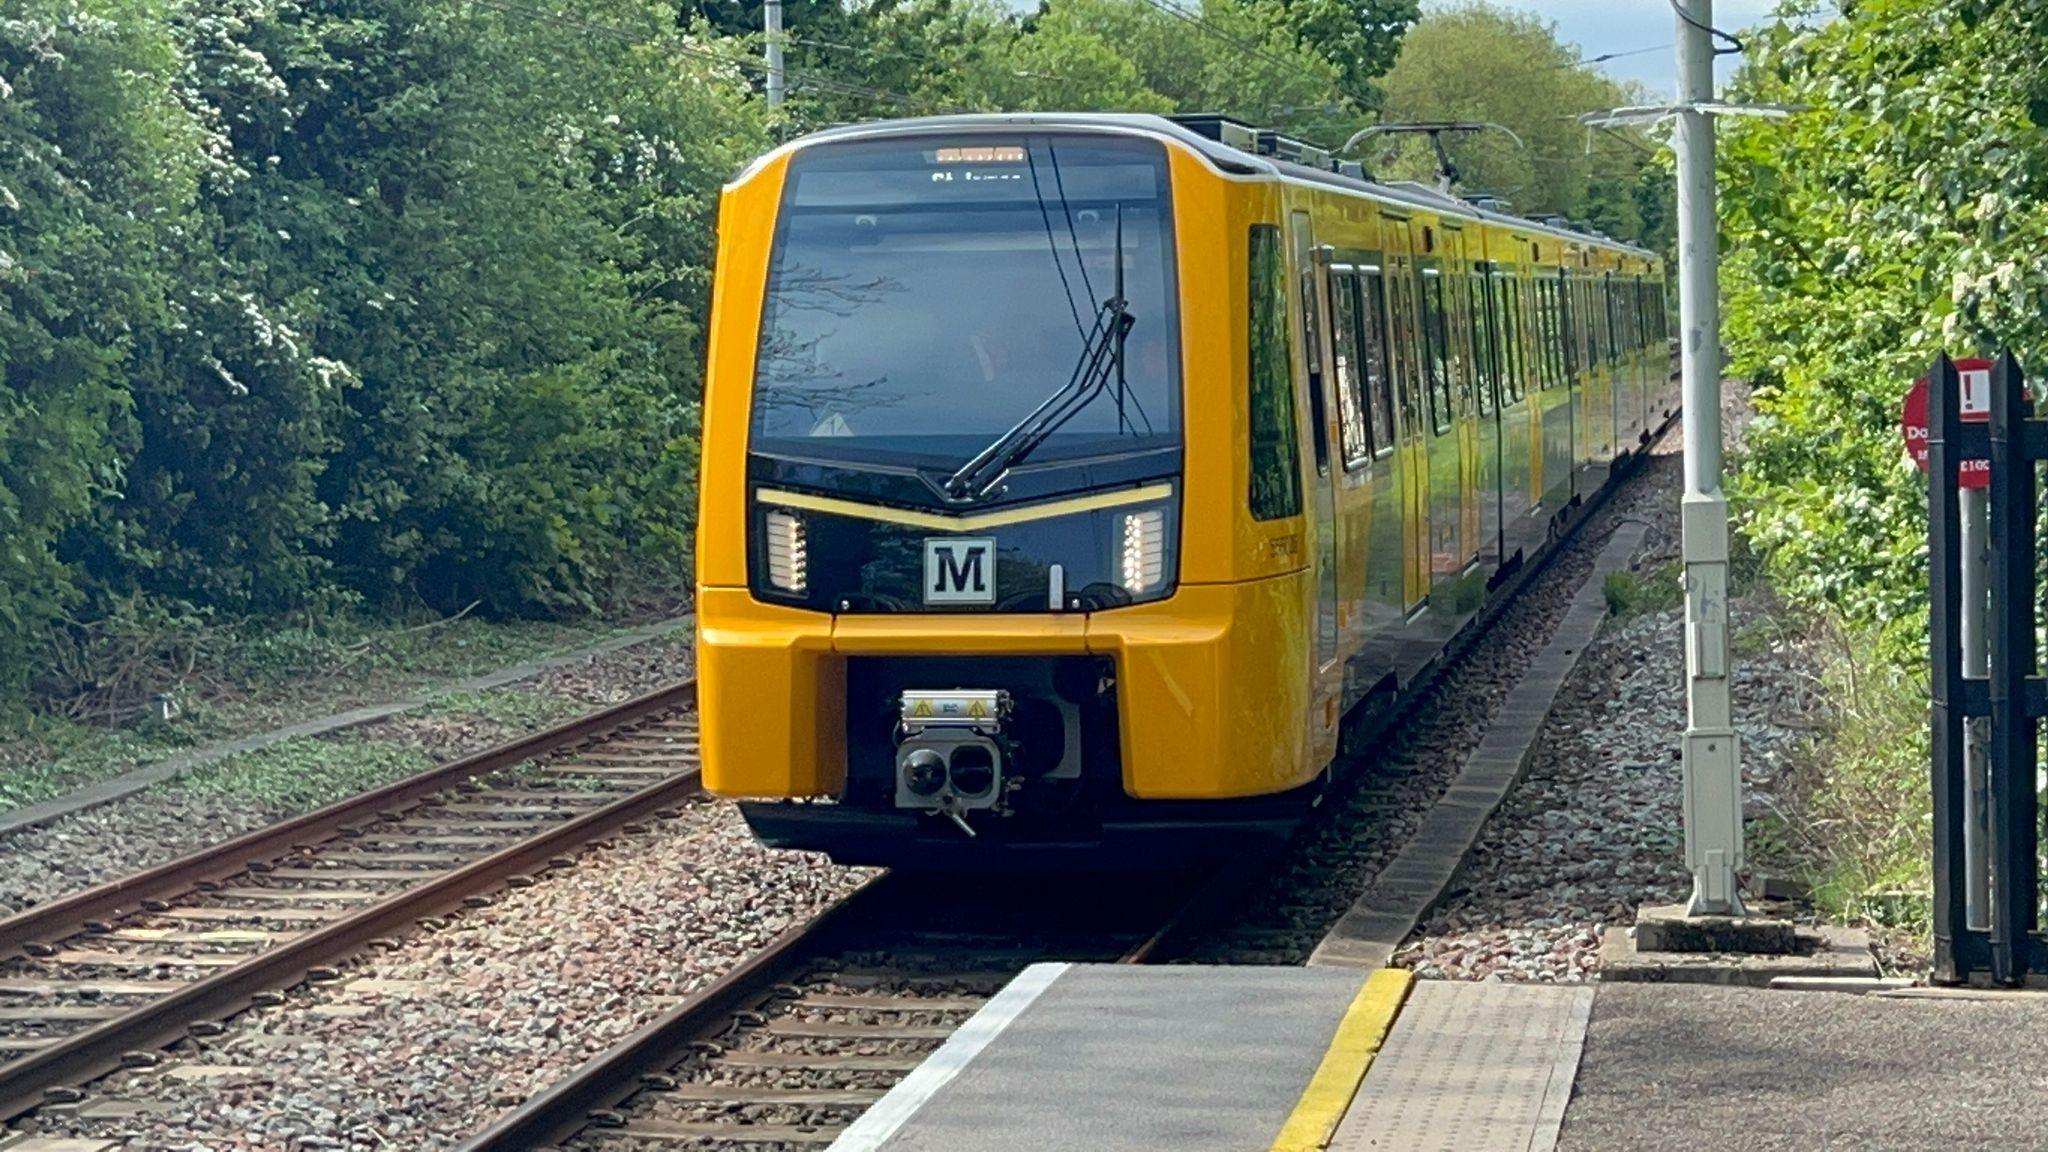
771,16
1713,774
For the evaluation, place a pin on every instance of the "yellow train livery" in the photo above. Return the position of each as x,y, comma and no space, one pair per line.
1074,485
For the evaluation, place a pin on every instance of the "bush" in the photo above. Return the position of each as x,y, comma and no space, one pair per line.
1865,830
1893,217
333,303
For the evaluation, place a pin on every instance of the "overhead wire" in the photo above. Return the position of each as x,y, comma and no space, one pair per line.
1604,57
1735,44
1201,24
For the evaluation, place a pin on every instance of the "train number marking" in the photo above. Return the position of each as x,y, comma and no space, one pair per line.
960,570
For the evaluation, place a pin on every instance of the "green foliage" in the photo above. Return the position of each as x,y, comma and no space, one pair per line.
89,133
1474,61
508,708
305,773
325,302
1360,38
1304,65
1866,830
1631,595
1897,215
323,307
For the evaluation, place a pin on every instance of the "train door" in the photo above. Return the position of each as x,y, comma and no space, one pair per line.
1602,356
1556,400
1411,438
1489,365
1311,271
1617,361
1440,410
1469,405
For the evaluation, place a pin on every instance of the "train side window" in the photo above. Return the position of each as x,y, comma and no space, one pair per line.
1555,354
1379,380
1436,351
1311,339
1353,435
1567,295
1407,355
1590,316
1603,300
1608,306
1485,342
1506,311
1275,449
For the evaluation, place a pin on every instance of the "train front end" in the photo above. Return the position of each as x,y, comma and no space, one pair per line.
958,600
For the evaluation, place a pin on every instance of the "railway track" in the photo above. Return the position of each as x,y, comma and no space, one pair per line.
792,1046
103,978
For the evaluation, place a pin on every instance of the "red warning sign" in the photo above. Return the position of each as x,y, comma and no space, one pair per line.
1975,374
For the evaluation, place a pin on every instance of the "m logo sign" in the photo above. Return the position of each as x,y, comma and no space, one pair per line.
960,570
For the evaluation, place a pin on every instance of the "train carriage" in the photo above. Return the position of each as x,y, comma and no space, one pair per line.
1073,484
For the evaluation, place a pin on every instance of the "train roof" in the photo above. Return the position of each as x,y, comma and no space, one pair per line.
1225,157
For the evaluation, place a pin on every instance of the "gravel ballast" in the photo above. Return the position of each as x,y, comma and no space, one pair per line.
1594,830
419,1047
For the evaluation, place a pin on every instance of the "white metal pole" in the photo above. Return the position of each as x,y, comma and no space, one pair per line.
771,14
1713,774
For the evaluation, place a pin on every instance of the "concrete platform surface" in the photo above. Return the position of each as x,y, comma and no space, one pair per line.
1735,1070
1099,1058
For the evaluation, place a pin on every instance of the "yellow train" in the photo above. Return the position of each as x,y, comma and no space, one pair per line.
1073,484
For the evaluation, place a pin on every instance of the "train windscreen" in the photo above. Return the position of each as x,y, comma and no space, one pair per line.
962,302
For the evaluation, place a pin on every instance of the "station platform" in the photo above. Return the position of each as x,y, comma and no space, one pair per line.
1126,1059
1096,1058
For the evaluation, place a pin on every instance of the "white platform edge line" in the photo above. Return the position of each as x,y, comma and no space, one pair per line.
1564,1072
880,1122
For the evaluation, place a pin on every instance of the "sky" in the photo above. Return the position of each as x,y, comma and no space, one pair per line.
1602,26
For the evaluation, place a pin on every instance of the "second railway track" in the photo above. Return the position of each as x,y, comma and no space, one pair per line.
792,1046
101,978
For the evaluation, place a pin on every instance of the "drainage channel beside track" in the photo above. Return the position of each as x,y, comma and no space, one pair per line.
101,979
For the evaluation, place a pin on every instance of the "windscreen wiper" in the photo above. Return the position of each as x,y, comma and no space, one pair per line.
1101,360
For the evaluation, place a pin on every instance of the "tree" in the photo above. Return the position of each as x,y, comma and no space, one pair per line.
97,162
1478,62
1898,214
1360,38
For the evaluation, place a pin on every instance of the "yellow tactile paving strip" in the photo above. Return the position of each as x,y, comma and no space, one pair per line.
1345,1062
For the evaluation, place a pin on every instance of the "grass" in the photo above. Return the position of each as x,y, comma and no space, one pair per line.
310,771
511,709
50,757
1862,829
307,772
250,678
1631,595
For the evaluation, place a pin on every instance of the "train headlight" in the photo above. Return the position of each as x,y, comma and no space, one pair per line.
788,553
1144,550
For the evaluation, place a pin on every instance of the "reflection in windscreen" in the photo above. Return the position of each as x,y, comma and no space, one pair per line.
925,296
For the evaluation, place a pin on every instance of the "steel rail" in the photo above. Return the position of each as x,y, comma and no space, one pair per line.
588,1096
96,1051
78,912
604,1081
